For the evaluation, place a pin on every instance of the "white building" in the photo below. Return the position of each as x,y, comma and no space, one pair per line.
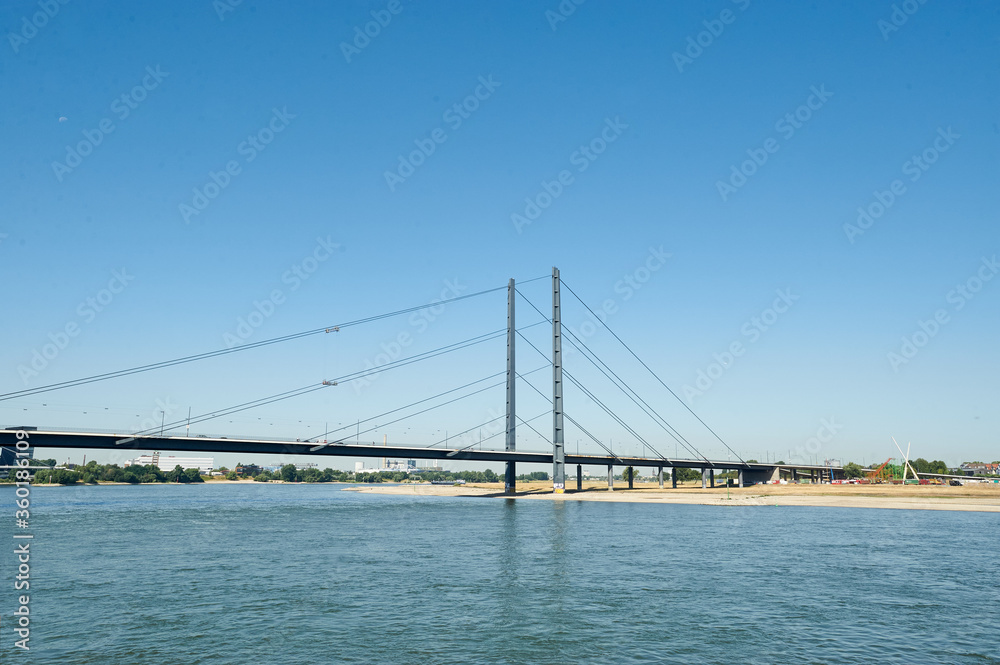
392,466
168,462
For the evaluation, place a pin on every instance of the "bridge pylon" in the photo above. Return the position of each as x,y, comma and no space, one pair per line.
511,440
558,442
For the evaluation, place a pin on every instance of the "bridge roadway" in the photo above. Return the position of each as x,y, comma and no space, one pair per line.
220,444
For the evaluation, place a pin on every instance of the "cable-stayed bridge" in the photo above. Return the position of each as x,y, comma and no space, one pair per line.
164,438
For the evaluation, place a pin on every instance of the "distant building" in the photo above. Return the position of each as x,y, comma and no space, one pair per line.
248,470
168,462
980,469
305,466
395,466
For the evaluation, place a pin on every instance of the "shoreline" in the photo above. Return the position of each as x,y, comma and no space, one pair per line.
963,499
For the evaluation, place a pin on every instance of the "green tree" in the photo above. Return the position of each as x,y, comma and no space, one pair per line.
852,470
64,477
684,474
192,476
288,473
232,476
151,469
130,478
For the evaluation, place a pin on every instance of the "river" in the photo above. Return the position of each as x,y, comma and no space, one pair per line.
312,574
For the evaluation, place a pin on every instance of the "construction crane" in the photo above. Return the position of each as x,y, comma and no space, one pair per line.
882,474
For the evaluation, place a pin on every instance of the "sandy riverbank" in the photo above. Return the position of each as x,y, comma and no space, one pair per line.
979,498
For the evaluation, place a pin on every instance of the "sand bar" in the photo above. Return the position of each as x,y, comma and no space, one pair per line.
977,498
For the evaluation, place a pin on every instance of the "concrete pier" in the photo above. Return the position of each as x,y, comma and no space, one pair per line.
704,478
673,477
630,471
659,476
611,478
579,477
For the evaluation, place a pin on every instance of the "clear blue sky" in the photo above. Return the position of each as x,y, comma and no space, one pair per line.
113,117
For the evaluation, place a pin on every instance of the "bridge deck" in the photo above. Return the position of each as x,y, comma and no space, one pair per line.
112,441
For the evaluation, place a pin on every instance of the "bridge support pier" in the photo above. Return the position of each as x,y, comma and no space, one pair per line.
704,478
711,477
673,477
611,478
629,471
579,477
659,476
795,475
740,472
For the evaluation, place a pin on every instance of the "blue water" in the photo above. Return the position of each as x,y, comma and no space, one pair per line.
312,574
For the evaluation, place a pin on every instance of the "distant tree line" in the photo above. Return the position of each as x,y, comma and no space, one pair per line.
923,466
289,474
133,474
854,470
136,474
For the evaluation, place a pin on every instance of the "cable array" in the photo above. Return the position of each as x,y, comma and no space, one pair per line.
574,340
236,349
650,370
